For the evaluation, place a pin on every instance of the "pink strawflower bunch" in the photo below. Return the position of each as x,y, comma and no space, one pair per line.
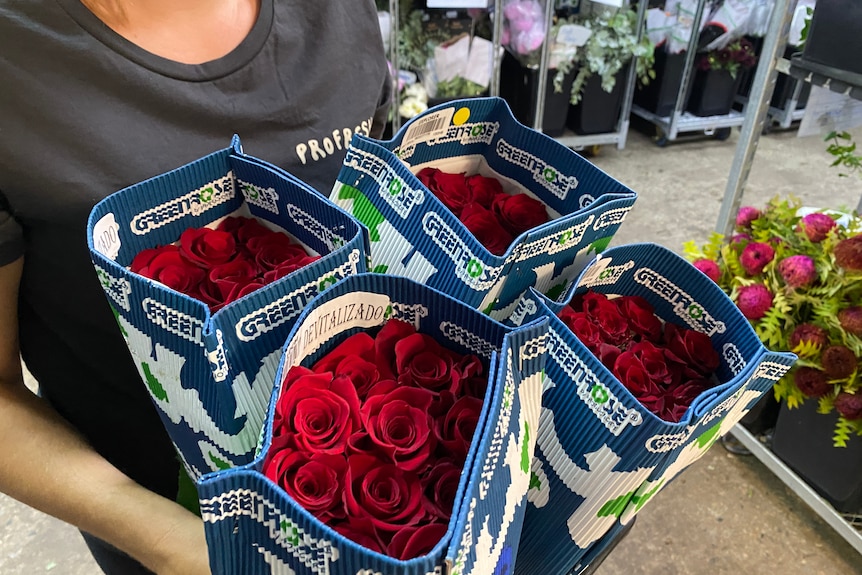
797,277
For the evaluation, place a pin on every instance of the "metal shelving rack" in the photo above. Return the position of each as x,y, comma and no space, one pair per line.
575,141
752,127
670,127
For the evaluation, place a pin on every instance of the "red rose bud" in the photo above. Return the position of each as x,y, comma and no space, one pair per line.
320,410
810,333
455,431
817,226
606,315
745,216
709,268
359,344
848,253
691,349
388,497
849,405
754,301
273,250
360,531
755,256
450,189
315,481
389,335
232,276
519,212
851,320
580,325
441,487
400,426
838,361
483,190
242,228
207,248
142,260
812,382
641,317
423,362
486,228
798,271
412,542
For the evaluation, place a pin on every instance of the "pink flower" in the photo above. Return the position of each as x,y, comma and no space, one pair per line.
798,271
708,267
755,256
754,301
817,226
746,215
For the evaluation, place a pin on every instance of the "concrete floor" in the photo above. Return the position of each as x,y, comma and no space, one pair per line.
727,514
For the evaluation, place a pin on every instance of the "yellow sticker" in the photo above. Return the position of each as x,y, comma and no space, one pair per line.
461,116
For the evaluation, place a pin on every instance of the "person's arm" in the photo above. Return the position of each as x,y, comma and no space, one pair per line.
47,465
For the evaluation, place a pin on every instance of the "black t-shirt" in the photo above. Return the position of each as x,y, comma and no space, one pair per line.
84,113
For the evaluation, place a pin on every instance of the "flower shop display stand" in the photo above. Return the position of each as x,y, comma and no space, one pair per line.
593,141
752,127
669,128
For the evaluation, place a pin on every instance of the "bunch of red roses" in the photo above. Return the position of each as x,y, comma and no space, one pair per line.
373,438
663,365
494,217
218,266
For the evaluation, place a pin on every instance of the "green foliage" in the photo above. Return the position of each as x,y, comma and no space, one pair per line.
612,45
818,303
843,149
458,87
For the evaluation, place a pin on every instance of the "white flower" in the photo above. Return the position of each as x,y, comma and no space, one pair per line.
411,107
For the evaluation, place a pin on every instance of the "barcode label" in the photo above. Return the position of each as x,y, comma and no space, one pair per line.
428,127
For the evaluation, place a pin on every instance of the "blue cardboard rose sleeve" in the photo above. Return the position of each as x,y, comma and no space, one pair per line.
211,374
600,454
413,234
253,527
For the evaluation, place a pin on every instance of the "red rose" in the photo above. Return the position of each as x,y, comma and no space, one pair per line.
440,489
607,354
320,410
380,492
633,375
519,212
654,362
207,248
483,189
690,349
360,531
455,430
641,317
360,344
421,361
247,289
471,375
288,268
210,294
486,228
144,257
315,480
390,334
273,250
450,189
606,315
243,229
678,398
363,374
399,424
170,268
231,277
585,330
412,542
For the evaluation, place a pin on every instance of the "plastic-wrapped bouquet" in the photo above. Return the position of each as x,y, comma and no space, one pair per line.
796,274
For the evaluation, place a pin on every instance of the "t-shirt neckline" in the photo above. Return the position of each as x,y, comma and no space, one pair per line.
234,60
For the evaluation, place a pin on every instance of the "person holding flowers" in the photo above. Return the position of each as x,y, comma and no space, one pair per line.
99,95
